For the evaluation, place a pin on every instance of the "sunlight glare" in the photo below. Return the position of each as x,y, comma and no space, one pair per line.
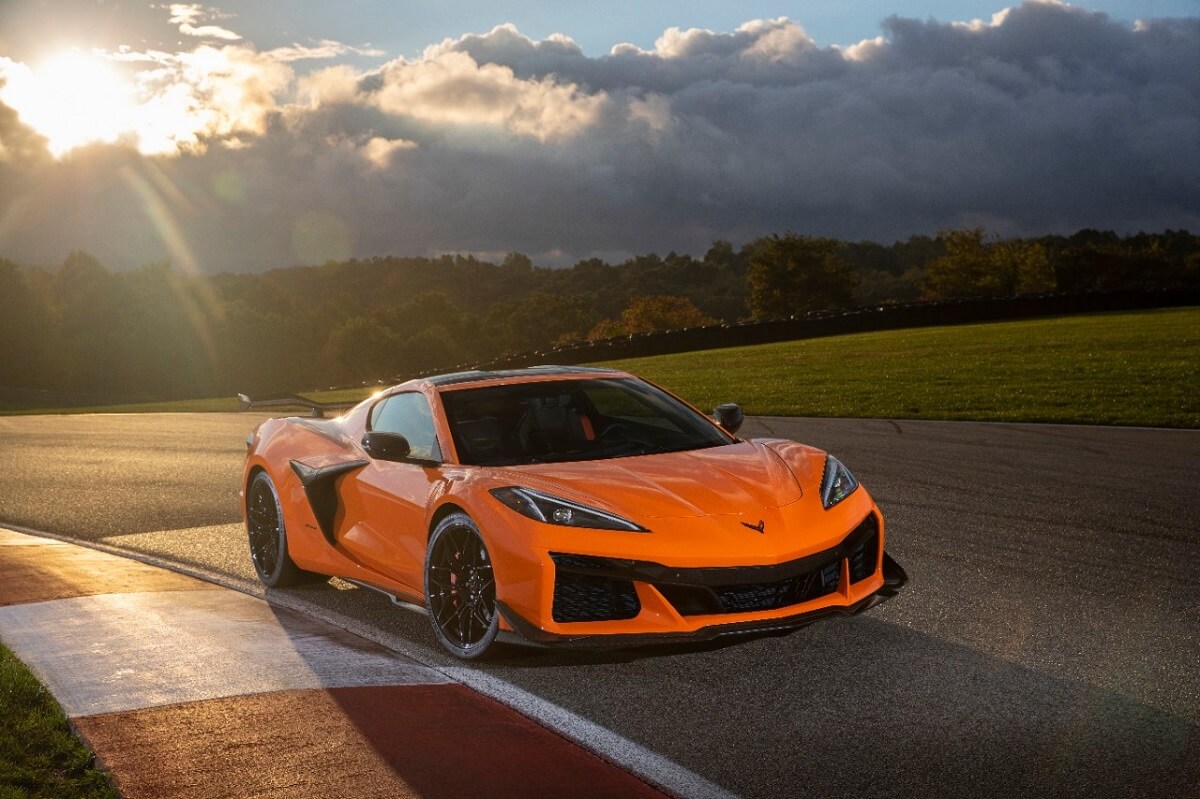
73,99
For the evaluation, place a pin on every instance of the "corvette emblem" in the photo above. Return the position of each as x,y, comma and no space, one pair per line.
761,527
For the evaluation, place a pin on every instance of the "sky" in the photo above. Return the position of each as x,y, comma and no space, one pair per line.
242,136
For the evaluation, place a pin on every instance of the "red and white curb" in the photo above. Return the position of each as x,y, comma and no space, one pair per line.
186,689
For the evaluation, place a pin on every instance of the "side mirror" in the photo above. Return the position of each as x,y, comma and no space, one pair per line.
729,416
386,446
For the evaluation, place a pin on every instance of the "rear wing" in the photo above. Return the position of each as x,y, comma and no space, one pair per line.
315,409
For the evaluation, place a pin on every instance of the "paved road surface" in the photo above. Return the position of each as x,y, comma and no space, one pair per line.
1047,645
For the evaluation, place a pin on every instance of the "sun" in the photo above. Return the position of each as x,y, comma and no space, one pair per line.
72,98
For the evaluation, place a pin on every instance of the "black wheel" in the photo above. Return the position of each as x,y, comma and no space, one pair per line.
268,537
460,588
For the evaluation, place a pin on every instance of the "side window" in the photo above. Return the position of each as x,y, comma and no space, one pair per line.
409,415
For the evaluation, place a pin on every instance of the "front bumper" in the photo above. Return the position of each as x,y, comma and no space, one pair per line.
526,633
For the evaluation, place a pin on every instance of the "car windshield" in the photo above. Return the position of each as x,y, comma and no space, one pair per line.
572,420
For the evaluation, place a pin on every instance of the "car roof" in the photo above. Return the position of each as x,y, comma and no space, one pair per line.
517,375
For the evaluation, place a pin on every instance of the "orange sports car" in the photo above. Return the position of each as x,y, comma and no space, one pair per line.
563,506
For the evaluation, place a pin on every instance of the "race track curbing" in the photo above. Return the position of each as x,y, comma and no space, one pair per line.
186,690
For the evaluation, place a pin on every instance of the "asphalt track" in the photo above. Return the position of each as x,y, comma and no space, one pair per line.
1048,643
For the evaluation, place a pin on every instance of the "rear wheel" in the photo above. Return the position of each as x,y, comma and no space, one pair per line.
460,588
268,537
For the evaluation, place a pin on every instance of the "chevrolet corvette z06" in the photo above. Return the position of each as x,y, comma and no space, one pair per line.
563,506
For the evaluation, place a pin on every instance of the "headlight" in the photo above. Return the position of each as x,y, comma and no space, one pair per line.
555,510
837,483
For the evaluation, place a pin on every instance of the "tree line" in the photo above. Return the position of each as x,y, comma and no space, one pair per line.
156,333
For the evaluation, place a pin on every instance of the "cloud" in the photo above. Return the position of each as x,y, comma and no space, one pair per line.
378,151
209,95
324,49
452,89
1043,118
184,15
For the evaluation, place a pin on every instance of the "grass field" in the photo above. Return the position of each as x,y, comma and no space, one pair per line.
1129,368
1137,368
40,758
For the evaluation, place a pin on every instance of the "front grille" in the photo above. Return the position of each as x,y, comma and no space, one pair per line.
769,596
699,600
588,597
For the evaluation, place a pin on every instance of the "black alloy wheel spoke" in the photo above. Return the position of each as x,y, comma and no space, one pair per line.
462,620
462,587
478,614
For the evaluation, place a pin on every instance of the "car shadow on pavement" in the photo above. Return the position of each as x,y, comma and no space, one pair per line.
853,707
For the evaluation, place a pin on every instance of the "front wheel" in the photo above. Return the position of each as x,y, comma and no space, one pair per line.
460,588
268,537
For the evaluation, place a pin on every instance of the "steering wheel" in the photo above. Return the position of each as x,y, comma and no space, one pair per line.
616,431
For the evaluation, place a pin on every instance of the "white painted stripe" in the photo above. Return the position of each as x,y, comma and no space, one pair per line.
118,652
649,765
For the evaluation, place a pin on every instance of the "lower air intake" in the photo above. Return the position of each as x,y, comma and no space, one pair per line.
587,597
865,559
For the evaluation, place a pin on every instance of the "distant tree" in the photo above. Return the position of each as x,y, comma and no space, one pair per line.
261,353
793,274
721,255
655,314
537,322
23,326
167,333
879,286
424,310
975,265
591,278
361,349
90,306
1190,271
517,262
431,349
915,252
965,270
1033,273
1099,262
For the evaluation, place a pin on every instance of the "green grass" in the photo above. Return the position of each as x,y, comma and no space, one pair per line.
40,757
1136,368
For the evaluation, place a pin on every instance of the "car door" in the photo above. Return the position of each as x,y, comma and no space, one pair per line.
389,498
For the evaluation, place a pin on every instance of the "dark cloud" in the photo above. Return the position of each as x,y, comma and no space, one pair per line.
1047,119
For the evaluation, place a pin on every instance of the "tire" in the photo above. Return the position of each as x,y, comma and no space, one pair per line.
268,536
460,588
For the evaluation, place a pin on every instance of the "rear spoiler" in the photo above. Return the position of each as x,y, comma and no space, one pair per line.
315,409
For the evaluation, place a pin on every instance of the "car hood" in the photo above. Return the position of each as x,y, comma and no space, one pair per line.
729,479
